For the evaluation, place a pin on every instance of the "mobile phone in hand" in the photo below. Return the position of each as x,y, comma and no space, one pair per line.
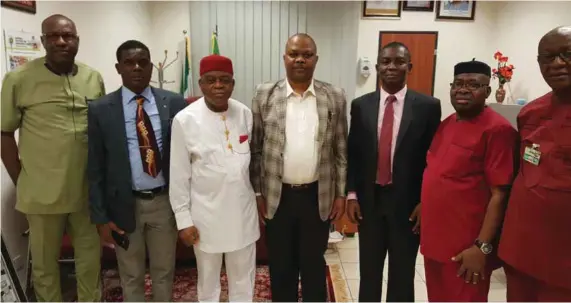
121,240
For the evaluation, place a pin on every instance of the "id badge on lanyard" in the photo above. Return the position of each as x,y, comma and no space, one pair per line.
532,154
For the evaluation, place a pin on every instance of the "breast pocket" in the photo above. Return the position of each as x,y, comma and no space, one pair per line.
529,132
562,135
558,167
530,135
460,162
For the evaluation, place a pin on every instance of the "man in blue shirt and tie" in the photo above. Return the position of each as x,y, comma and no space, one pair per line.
129,148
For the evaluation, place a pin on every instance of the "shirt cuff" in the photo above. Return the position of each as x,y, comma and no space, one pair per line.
183,219
352,195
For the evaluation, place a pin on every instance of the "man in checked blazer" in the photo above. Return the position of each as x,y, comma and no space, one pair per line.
298,170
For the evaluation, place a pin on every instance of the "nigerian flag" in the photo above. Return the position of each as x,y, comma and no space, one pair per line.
214,50
186,78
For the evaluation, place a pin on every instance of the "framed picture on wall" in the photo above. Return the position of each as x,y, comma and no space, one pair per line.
24,6
381,9
418,6
455,10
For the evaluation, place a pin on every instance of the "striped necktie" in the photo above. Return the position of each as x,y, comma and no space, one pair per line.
147,142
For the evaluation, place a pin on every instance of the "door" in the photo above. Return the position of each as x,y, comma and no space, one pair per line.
422,47
12,290
14,226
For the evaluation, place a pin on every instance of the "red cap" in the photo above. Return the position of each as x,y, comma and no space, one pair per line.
216,63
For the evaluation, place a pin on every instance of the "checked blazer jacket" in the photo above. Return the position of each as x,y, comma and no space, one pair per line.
268,142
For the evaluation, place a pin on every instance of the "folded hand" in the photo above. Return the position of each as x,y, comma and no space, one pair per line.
189,236
472,265
338,209
354,211
105,233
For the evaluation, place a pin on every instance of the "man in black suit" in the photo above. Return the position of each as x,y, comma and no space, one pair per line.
391,131
128,171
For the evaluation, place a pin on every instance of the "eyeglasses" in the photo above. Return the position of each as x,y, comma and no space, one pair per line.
470,85
67,37
548,58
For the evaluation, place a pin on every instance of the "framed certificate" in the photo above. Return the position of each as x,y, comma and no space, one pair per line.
24,6
455,10
381,9
418,6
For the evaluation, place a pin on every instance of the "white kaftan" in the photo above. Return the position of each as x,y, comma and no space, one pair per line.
209,182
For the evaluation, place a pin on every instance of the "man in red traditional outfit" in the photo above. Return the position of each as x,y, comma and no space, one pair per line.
536,238
470,166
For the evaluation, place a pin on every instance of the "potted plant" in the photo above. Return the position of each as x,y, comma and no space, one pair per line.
503,73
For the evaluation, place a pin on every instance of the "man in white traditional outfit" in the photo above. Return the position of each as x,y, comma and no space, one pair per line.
210,191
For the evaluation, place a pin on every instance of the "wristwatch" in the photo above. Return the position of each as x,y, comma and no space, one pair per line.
486,248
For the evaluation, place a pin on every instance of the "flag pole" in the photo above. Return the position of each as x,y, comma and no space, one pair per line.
190,81
214,47
186,82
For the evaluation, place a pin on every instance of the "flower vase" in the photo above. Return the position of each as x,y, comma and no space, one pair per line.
500,94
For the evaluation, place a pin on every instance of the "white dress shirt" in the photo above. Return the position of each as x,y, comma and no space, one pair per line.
209,180
301,146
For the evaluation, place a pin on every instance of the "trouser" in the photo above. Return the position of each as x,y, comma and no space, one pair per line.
443,285
524,288
297,240
240,270
156,232
380,232
46,233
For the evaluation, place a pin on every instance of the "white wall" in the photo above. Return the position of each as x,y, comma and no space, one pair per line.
513,27
168,20
104,25
254,33
101,25
334,27
251,33
522,26
457,41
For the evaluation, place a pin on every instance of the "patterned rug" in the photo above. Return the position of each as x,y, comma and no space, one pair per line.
184,289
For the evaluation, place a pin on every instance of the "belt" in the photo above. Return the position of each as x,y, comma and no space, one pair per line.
299,186
150,194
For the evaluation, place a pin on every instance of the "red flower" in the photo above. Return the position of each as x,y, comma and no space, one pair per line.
504,72
243,138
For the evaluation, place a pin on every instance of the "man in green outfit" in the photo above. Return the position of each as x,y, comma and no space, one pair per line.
46,100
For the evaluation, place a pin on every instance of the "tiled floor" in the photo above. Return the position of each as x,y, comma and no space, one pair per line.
347,254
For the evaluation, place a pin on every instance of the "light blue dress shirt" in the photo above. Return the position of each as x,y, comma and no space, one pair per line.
141,180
